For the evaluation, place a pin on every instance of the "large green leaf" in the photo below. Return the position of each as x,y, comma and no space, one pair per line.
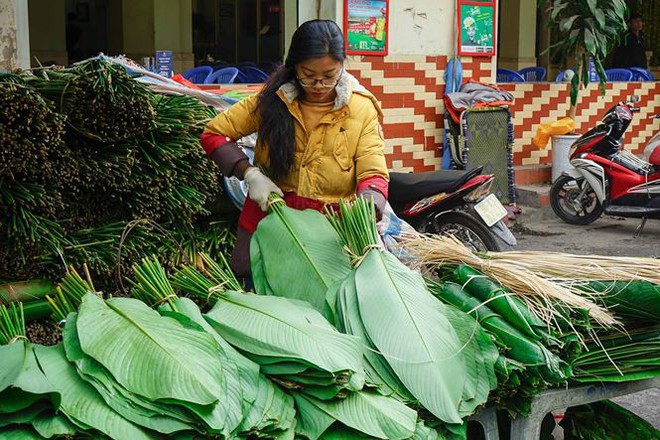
312,421
379,372
24,416
272,409
15,399
634,299
50,425
19,433
80,402
159,417
480,355
274,329
133,341
19,369
240,379
409,327
299,255
373,414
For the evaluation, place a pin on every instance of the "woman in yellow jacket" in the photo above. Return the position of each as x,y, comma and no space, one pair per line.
319,137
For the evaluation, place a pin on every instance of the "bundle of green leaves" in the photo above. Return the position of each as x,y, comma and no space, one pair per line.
416,349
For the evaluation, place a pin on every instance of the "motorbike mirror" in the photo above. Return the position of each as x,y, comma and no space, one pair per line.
633,98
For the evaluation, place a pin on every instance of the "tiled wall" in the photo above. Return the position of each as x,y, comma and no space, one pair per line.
411,88
547,102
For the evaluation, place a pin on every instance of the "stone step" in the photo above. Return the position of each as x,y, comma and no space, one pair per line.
536,196
533,174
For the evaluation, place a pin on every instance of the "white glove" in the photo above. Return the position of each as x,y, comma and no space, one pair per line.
260,187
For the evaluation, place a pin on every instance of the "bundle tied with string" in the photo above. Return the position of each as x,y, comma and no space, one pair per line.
446,362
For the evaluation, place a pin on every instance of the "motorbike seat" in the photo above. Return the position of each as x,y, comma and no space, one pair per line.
408,187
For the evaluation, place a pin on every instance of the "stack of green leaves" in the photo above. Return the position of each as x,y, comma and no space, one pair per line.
191,393
314,257
415,336
320,413
606,420
633,301
290,340
266,410
618,357
365,412
41,396
525,366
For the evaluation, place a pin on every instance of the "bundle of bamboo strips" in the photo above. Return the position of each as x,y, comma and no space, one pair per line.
541,292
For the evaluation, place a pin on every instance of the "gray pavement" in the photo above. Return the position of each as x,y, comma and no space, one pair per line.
540,229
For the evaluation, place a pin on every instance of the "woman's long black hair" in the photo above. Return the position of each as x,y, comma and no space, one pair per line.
313,39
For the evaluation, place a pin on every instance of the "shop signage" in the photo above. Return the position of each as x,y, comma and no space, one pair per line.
365,27
164,63
477,27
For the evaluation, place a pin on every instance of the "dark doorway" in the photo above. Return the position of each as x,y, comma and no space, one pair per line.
230,32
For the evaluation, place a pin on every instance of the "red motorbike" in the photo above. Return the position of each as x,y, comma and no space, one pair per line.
452,202
607,178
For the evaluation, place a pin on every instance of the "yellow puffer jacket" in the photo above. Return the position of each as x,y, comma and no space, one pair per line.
345,148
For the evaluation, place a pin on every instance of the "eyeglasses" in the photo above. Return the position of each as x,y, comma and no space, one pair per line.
327,83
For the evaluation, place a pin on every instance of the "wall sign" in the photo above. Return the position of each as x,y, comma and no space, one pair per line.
365,27
477,26
164,63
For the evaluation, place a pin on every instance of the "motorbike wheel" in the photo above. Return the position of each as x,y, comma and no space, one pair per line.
563,199
467,230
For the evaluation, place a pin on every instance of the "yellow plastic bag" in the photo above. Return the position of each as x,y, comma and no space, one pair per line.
544,131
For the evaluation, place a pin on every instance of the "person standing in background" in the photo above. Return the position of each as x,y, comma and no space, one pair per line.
631,52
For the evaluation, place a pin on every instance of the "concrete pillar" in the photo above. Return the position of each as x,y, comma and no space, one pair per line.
290,22
151,25
14,35
138,28
517,34
48,32
173,31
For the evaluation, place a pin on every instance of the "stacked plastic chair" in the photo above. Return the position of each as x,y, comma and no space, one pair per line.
532,74
198,75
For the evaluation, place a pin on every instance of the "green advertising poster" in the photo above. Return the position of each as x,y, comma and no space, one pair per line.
477,29
365,25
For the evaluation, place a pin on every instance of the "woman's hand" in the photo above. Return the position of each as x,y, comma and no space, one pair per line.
260,187
378,198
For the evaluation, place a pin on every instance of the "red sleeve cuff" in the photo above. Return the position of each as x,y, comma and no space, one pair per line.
377,183
212,141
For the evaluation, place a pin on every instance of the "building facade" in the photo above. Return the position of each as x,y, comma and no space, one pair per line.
408,81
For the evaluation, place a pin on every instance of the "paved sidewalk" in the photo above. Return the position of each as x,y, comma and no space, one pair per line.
541,229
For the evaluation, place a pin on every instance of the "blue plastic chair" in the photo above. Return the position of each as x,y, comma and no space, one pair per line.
614,75
533,73
506,75
223,76
640,74
253,74
198,75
